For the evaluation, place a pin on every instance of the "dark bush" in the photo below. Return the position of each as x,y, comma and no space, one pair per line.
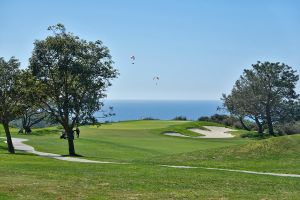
288,129
149,118
237,125
183,118
228,120
219,118
204,118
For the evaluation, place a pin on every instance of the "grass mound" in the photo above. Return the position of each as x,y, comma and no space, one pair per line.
280,154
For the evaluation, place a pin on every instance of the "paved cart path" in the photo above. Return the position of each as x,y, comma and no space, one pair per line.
19,145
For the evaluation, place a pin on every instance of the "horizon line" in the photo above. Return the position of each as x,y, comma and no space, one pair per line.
163,99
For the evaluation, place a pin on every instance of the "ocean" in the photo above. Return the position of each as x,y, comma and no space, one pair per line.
159,109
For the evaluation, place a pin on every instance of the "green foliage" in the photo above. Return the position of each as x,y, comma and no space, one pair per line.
71,77
288,128
266,93
227,120
11,104
10,98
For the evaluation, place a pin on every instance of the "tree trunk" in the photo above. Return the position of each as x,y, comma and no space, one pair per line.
259,126
70,134
27,129
243,124
269,120
10,145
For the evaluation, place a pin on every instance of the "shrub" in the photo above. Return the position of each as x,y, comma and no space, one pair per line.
149,118
288,129
204,118
183,118
228,120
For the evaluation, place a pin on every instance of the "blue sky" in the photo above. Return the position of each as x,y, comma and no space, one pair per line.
197,48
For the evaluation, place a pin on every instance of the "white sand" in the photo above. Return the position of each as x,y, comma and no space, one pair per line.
212,132
175,134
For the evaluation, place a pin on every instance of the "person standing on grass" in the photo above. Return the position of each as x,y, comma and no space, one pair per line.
77,132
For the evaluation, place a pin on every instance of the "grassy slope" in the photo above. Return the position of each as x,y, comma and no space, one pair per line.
280,154
26,176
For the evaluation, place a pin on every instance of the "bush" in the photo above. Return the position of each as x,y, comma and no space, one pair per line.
288,129
219,118
183,118
237,125
149,118
228,120
204,118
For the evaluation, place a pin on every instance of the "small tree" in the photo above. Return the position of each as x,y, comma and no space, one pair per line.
32,116
71,77
10,105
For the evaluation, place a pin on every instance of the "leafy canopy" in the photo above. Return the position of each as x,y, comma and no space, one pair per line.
72,75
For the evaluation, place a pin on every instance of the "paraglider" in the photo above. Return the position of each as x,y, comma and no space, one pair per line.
156,79
132,59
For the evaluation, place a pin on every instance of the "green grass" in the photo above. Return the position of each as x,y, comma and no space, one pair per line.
25,176
279,155
126,141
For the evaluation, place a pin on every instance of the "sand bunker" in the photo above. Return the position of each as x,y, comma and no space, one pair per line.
175,134
212,132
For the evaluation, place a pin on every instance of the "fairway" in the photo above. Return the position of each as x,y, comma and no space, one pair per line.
145,148
127,141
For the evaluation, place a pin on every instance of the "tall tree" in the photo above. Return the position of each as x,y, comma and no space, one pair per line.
72,75
10,105
274,85
268,93
243,102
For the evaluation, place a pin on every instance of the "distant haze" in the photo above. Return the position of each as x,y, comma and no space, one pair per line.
158,109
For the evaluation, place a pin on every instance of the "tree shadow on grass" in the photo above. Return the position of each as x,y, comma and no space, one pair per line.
20,153
76,155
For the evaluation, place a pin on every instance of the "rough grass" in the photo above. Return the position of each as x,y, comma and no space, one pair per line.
279,154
